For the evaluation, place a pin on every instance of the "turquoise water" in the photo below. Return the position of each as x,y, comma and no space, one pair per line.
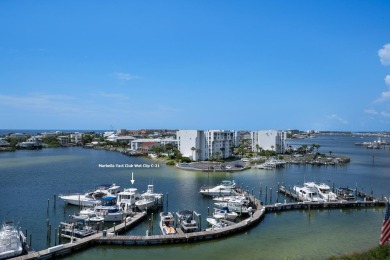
30,178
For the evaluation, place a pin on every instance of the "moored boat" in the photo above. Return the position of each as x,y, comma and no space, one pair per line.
10,244
234,206
91,199
126,199
308,193
167,223
325,193
88,215
146,202
224,213
241,198
345,193
109,210
226,188
186,221
149,199
76,228
215,224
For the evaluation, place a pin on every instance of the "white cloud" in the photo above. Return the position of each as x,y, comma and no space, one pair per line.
125,76
371,111
387,80
117,96
384,97
337,118
384,54
385,114
39,102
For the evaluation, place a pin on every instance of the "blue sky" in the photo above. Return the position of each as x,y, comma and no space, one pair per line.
322,65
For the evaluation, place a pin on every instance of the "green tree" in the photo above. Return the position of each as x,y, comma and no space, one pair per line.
223,152
86,139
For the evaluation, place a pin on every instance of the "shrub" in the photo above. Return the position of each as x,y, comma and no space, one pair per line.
185,160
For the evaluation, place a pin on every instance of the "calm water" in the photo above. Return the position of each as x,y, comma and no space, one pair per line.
30,178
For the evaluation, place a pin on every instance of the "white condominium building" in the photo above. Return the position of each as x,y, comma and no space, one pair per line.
205,144
268,140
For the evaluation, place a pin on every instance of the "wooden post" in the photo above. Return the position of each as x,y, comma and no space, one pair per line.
261,190
59,234
55,237
49,233
152,224
167,201
30,240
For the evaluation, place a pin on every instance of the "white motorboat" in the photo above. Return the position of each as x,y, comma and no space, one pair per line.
146,202
10,244
244,200
271,164
215,224
126,199
88,215
225,213
226,188
308,193
109,210
148,199
167,223
324,191
91,199
234,206
186,221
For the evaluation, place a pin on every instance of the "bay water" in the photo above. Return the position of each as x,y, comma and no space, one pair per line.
29,180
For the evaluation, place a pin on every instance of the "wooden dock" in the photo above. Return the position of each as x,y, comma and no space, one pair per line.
71,247
361,194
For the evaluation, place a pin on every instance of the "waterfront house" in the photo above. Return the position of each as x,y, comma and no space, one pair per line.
63,140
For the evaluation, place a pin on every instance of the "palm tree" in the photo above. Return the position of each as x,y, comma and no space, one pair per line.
217,155
330,153
223,152
257,148
317,146
199,152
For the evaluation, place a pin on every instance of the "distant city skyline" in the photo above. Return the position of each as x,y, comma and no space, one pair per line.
307,65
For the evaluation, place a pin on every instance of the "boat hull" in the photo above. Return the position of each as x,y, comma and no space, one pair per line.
79,200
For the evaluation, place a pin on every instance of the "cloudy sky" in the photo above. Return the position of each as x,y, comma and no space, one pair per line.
322,65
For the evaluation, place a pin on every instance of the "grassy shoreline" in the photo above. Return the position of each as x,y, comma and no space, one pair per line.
379,252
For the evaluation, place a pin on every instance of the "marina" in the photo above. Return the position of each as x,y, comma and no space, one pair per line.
269,198
187,231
